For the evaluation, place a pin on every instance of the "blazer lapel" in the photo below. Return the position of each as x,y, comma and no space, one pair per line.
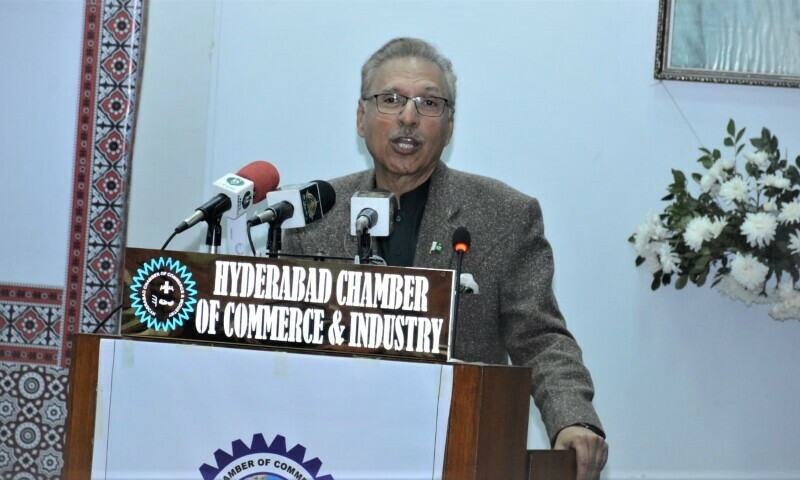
438,222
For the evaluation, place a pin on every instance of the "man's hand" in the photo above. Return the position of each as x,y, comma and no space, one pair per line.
591,451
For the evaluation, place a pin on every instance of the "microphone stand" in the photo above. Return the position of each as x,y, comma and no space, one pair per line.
214,233
453,333
274,238
364,246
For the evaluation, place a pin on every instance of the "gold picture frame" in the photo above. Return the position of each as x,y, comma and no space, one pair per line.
746,42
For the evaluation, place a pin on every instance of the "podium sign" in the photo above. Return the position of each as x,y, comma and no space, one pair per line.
288,304
207,413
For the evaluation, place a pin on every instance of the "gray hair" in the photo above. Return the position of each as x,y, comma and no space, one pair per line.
405,47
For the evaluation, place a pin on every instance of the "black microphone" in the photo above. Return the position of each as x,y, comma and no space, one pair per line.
277,213
295,206
372,211
366,219
461,243
236,192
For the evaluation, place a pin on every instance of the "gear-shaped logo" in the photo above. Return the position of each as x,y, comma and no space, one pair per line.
263,462
163,294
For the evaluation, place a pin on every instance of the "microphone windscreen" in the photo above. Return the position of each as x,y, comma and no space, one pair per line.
461,239
264,175
327,195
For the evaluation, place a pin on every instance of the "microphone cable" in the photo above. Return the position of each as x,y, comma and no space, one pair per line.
119,307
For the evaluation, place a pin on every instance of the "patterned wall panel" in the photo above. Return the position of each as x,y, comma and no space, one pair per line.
36,322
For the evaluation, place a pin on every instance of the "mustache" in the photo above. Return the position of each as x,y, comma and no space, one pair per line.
407,132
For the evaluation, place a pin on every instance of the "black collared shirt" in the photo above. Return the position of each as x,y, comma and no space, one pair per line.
398,248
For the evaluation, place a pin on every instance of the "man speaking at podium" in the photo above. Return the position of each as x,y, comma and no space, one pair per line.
406,117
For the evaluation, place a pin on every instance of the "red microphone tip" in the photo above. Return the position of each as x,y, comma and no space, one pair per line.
264,175
461,240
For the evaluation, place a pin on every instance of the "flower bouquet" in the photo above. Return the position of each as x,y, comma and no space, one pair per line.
743,226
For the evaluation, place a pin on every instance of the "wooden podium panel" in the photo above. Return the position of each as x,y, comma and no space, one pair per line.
486,430
551,465
488,423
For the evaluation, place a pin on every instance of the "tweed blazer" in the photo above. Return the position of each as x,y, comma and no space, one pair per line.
515,315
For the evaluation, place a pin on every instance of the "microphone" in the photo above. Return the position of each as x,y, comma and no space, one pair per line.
461,243
235,193
372,211
366,219
295,206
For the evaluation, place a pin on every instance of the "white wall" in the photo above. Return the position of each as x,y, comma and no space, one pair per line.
557,99
170,145
38,115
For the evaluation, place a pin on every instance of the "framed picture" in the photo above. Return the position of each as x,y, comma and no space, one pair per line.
750,42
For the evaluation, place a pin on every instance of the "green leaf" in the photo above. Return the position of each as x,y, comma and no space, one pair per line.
740,147
731,127
729,142
656,282
739,135
681,282
701,279
668,197
758,143
696,177
639,261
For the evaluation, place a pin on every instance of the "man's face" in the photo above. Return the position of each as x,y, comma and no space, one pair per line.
405,144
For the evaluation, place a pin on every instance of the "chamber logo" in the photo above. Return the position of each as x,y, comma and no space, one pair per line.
163,294
260,461
310,206
235,181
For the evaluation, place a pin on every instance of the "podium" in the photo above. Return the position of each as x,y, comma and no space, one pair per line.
234,369
482,437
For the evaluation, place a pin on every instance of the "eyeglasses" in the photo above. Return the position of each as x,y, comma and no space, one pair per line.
394,103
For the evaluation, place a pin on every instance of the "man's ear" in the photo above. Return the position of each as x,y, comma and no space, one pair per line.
450,125
360,111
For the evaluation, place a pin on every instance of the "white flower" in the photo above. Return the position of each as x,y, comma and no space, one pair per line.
733,289
748,271
717,173
759,159
775,181
698,231
786,290
716,169
728,164
788,305
649,231
652,262
734,189
670,261
707,182
717,226
759,228
794,242
790,212
785,311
